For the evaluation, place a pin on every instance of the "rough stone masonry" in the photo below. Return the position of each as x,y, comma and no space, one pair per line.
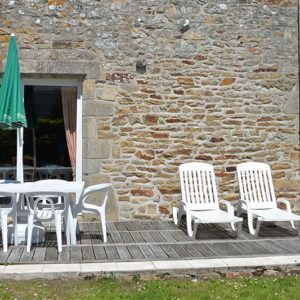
167,82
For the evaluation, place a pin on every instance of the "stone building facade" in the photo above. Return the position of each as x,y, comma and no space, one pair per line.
167,82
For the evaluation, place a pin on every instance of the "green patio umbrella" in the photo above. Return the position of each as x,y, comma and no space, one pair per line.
12,111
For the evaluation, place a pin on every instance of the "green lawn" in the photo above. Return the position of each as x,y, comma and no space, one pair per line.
110,288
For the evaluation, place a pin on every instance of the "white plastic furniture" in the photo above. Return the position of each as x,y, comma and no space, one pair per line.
50,187
257,197
41,207
200,200
8,209
5,211
85,207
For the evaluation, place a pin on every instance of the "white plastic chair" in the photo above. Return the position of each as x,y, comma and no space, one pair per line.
9,209
257,197
200,201
41,207
5,211
85,207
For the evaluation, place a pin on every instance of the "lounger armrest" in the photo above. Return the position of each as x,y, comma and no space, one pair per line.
242,204
228,206
286,203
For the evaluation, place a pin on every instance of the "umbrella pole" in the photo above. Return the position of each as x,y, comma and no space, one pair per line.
20,137
34,152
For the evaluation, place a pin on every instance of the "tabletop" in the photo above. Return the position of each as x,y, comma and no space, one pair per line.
43,186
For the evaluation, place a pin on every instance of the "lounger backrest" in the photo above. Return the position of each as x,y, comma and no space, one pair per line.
198,186
255,184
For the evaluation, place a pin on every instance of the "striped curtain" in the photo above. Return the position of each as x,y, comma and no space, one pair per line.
69,101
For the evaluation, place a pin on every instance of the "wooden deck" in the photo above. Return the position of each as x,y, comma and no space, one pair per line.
156,240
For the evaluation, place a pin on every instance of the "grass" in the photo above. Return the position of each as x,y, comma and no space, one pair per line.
162,289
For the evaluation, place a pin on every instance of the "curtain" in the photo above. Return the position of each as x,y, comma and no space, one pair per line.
69,100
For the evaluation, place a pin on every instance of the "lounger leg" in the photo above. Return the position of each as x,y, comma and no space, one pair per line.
189,224
4,231
250,224
180,214
175,215
258,222
195,229
293,225
29,232
298,228
239,228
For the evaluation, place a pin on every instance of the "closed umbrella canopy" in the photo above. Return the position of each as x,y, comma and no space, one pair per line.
12,112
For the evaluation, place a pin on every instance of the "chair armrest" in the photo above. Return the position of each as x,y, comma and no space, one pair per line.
286,203
229,207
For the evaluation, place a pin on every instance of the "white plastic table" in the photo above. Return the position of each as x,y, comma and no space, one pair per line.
75,187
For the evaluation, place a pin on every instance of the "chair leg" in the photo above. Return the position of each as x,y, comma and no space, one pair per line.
15,225
58,231
103,224
4,231
29,232
67,228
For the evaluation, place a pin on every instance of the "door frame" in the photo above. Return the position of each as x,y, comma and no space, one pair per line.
20,132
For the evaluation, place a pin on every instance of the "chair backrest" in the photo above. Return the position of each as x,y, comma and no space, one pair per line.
97,188
255,185
198,186
45,202
7,200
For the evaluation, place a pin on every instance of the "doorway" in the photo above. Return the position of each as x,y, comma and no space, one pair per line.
50,147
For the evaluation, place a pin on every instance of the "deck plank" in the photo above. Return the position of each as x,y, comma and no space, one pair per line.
127,238
147,252
39,254
75,254
87,253
148,237
27,256
191,249
112,253
137,236
123,252
181,251
158,251
135,252
15,254
64,255
116,237
51,254
171,252
121,226
111,227
158,237
168,237
5,255
99,252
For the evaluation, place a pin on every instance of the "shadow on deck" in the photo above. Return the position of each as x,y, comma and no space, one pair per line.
156,240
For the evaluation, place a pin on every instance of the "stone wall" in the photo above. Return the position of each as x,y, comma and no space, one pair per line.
167,82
